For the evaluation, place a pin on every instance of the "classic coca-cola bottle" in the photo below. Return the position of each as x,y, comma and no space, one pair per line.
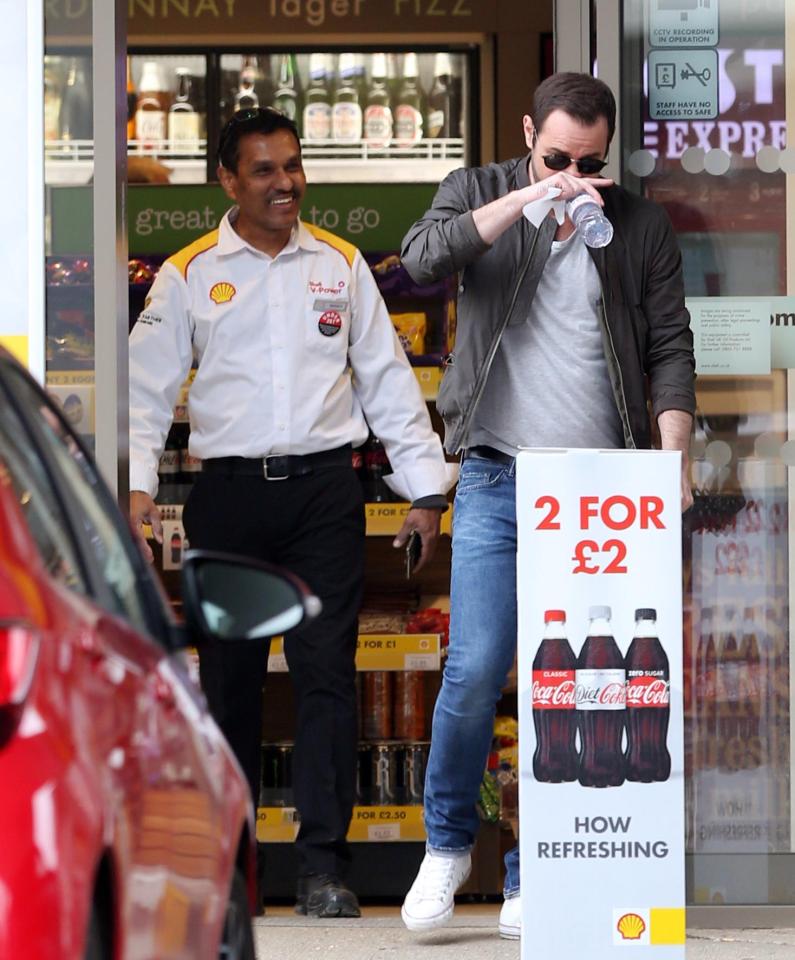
648,702
554,707
601,704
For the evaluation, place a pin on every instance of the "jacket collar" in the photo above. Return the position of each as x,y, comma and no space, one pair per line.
523,172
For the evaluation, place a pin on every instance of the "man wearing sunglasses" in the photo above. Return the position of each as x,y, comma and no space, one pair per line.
555,346
296,355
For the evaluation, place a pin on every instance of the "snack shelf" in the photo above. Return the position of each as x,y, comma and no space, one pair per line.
373,824
380,651
382,519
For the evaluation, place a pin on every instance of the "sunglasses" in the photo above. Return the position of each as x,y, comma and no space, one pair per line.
244,116
559,161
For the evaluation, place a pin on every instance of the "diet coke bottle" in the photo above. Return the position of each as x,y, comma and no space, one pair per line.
601,704
648,702
554,713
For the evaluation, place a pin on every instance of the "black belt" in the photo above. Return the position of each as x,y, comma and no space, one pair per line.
279,466
488,453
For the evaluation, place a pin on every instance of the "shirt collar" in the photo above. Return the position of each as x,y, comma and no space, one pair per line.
230,241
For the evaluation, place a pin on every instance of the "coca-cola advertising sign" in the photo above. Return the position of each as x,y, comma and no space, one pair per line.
601,757
553,690
647,691
601,690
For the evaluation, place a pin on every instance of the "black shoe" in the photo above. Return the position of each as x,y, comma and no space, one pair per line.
324,895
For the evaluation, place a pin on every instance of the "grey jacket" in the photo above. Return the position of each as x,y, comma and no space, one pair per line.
645,326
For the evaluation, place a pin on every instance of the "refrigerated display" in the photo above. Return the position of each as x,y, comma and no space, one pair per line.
383,115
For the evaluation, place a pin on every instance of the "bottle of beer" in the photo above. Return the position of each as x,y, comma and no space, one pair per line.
151,112
408,114
378,113
317,104
286,96
346,114
184,122
76,113
246,97
443,111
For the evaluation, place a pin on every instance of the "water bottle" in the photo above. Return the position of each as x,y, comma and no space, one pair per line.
587,216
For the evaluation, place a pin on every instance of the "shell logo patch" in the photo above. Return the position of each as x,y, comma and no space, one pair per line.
634,927
222,292
329,323
631,926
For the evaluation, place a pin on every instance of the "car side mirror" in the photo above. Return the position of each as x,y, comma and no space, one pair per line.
228,598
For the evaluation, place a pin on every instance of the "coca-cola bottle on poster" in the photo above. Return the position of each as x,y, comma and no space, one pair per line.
648,702
554,706
601,704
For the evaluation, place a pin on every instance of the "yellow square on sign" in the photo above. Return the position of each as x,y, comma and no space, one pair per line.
18,345
667,925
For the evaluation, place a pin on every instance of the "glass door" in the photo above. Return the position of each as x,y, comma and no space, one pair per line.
703,117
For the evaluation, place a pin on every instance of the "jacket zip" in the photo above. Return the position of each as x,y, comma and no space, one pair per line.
623,408
485,369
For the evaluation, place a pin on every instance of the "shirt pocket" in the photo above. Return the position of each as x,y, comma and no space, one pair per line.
327,325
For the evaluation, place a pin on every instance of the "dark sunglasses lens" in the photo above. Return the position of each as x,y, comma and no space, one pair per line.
243,116
556,161
591,165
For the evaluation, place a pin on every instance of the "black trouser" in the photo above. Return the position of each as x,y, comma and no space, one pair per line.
314,526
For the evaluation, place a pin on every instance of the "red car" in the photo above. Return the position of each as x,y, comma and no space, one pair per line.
127,826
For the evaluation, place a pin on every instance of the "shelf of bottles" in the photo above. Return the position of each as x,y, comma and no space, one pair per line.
363,117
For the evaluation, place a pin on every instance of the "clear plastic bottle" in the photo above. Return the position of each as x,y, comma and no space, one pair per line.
587,216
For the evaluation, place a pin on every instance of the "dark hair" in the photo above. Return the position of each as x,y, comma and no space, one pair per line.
580,95
265,120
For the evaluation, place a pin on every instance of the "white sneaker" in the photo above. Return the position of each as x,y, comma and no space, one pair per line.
430,902
511,918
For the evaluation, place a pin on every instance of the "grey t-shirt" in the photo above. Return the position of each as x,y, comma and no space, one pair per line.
548,385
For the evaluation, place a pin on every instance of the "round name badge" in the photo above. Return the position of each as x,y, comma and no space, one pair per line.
329,323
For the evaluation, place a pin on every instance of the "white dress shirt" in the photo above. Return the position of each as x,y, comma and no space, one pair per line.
293,352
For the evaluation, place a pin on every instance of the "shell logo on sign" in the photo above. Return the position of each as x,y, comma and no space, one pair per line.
631,926
222,292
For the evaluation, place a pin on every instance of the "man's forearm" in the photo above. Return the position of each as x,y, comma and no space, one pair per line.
675,427
493,219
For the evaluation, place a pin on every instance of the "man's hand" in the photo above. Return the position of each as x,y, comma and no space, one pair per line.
143,509
426,523
494,218
675,426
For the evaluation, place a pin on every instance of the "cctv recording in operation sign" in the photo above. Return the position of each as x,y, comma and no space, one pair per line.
683,23
683,84
601,756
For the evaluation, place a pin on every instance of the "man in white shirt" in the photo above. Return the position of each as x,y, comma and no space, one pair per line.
295,355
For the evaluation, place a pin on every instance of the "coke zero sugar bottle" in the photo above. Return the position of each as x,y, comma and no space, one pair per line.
601,704
554,713
648,702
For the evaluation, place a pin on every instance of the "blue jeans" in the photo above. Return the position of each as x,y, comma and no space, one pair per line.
481,652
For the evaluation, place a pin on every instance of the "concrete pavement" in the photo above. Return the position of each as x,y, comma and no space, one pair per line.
380,935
